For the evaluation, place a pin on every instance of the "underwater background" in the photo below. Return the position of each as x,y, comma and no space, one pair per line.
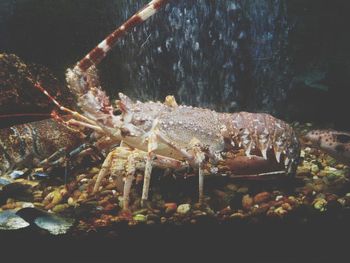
288,58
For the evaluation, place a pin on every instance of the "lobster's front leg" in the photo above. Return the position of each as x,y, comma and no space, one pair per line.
195,156
151,147
124,161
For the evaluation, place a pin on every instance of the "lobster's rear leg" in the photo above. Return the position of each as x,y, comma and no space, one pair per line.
199,158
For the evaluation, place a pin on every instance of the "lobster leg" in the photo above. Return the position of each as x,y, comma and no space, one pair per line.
107,164
124,160
152,145
199,157
194,156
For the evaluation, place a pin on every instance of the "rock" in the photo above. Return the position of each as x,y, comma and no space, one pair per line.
60,208
260,209
183,209
262,197
140,218
170,208
304,169
143,211
243,190
9,220
237,215
232,187
54,224
4,181
225,211
286,206
340,166
247,202
320,204
314,169
53,198
280,211
71,202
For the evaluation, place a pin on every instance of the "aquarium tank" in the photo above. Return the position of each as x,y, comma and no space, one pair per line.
178,121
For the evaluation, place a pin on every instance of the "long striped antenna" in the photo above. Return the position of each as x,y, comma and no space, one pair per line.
101,50
83,81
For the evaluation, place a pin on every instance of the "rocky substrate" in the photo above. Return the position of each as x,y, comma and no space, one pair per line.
320,189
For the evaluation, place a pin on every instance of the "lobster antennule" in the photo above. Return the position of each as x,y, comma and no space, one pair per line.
101,50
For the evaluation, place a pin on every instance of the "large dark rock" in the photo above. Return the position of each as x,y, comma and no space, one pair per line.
20,101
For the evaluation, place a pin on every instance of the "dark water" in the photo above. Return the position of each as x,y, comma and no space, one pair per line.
289,58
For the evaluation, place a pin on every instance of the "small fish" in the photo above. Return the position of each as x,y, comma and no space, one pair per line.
335,143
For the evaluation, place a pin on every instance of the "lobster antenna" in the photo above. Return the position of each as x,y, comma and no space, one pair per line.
101,50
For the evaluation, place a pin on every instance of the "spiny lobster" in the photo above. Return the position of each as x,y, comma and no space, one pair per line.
169,135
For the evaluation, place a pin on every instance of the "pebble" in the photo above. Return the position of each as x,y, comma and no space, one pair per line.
140,218
141,211
320,204
232,187
183,208
59,208
225,211
83,197
237,215
263,208
286,206
280,211
304,169
247,202
71,201
170,208
262,197
243,190
314,168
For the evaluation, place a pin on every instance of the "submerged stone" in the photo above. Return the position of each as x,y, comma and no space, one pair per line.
56,225
9,220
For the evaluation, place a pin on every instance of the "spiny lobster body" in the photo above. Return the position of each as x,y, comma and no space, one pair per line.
256,134
168,135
